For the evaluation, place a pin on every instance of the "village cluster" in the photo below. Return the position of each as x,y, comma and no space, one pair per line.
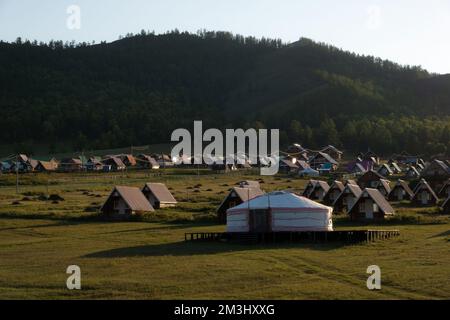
363,188
24,164
366,190
296,160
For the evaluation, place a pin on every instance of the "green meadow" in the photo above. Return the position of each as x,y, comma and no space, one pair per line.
148,258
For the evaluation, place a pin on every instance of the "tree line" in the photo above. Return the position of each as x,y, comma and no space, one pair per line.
137,90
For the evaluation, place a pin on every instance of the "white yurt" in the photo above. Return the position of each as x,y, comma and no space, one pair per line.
279,211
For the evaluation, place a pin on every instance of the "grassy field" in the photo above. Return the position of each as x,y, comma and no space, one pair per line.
148,259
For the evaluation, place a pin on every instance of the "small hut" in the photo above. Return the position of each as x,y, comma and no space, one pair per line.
334,191
46,166
395,167
113,164
384,187
287,166
236,197
319,191
124,202
412,173
279,211
347,198
128,159
159,195
322,160
424,194
385,170
401,191
371,205
302,165
370,179
356,168
146,161
309,188
436,170
334,152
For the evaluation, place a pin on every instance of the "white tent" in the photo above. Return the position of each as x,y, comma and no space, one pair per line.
309,172
279,211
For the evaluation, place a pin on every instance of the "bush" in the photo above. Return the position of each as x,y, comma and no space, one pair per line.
55,197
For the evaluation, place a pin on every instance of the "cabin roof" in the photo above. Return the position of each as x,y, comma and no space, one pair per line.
386,185
161,192
326,156
289,163
403,184
378,198
354,189
322,184
386,166
337,185
331,148
133,197
48,165
423,185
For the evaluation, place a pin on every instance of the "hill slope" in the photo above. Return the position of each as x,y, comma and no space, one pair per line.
138,89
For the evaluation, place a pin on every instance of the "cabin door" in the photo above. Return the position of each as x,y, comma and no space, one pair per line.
259,221
424,197
350,201
369,209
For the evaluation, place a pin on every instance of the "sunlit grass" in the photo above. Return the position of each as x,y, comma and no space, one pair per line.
148,259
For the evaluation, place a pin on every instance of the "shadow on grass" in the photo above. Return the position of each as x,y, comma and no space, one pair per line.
202,248
397,220
164,225
442,234
58,223
93,219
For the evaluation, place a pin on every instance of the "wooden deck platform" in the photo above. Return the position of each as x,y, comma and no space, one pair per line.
347,236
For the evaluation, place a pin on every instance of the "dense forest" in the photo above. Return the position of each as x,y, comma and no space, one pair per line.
138,89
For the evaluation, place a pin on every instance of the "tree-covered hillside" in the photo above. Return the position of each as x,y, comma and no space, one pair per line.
138,89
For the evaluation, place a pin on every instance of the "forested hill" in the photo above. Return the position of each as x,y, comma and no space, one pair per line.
138,89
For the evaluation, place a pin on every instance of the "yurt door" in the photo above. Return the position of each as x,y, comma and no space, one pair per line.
259,221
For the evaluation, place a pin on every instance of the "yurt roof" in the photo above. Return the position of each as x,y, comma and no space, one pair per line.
280,199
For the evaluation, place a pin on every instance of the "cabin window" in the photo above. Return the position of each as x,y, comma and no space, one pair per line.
375,207
116,204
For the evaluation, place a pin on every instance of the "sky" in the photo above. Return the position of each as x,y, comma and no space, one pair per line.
410,32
